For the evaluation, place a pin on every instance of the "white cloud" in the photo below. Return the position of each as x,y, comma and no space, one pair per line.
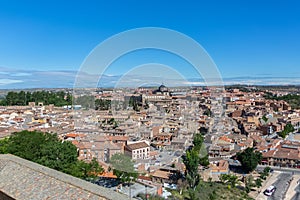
20,74
9,81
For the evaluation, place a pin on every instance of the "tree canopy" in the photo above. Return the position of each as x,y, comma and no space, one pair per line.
195,156
230,179
102,104
287,130
22,98
46,149
249,159
191,162
292,99
123,167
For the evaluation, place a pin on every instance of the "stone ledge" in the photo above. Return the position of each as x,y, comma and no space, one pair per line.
63,179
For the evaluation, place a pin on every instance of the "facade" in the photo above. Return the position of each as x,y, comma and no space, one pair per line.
222,167
284,155
102,151
138,150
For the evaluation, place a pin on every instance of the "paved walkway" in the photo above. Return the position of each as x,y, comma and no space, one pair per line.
271,179
292,188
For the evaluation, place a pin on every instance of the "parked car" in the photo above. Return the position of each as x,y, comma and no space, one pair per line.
270,190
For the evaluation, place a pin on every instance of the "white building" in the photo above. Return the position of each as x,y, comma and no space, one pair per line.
138,150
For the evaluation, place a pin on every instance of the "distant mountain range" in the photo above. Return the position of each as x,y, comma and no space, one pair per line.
19,79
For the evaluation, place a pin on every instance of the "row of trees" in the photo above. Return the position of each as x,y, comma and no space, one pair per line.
292,99
46,149
23,98
102,104
137,103
250,182
88,101
57,98
249,160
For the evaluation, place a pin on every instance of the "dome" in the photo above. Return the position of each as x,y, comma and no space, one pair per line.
163,88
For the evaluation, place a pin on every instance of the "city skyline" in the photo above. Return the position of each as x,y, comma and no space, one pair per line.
250,42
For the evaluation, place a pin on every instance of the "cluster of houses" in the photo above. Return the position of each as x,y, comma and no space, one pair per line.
157,134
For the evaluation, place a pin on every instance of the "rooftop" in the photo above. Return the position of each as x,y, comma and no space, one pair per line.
23,179
137,145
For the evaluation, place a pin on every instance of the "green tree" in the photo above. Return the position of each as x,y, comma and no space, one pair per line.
213,195
200,148
94,168
84,170
264,118
265,173
231,179
292,99
28,145
204,161
3,145
198,141
21,98
102,104
267,169
249,159
289,128
249,183
123,167
191,161
135,102
46,149
192,194
223,178
258,182
207,112
58,155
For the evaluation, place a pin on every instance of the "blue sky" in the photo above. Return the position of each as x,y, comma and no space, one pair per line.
244,38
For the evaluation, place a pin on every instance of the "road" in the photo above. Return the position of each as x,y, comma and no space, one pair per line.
285,190
280,169
282,184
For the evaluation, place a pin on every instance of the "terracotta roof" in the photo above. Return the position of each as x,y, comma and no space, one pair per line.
118,137
108,175
161,174
224,138
155,130
268,154
137,145
146,178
